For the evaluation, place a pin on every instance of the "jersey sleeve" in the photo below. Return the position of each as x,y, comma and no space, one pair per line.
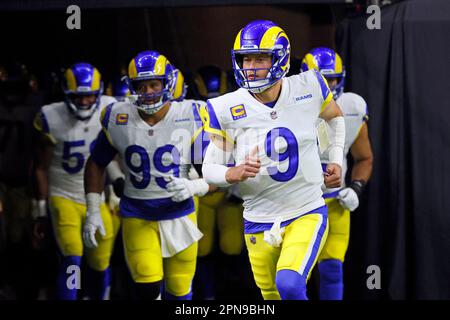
107,100
362,110
212,122
103,152
325,92
40,123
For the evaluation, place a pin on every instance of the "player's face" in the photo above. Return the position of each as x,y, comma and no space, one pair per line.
257,61
150,87
84,101
332,82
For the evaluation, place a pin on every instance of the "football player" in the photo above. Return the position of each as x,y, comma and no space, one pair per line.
68,132
268,127
153,136
343,199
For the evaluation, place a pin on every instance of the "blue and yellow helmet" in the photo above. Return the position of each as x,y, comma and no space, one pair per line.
82,79
261,37
329,64
179,87
149,65
120,89
210,81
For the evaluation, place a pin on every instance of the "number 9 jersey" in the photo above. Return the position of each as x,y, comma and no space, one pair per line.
289,182
73,141
152,154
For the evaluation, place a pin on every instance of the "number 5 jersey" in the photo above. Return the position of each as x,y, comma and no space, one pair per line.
73,141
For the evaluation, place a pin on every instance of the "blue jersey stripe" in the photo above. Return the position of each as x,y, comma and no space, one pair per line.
323,85
213,121
196,114
45,127
105,120
103,152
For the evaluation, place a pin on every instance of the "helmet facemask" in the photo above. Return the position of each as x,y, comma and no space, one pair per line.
150,103
338,88
274,73
80,110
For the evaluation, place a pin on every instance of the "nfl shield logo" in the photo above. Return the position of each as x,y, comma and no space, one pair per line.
253,239
150,132
273,115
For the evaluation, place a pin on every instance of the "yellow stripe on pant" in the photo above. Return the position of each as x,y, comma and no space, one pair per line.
296,252
68,218
142,246
339,234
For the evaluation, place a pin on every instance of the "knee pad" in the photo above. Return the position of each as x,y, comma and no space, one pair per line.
72,249
148,291
142,270
178,285
291,285
99,262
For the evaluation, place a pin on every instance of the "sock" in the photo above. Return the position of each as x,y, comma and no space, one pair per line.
98,283
148,291
205,277
68,278
331,285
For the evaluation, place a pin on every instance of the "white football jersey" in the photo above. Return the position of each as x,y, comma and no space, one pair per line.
73,140
289,182
152,154
354,109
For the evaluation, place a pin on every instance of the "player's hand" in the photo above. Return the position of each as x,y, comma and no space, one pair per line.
348,199
249,169
93,223
113,200
40,228
118,186
333,176
40,219
184,188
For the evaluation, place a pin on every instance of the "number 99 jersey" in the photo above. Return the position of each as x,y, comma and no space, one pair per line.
152,154
73,141
289,182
